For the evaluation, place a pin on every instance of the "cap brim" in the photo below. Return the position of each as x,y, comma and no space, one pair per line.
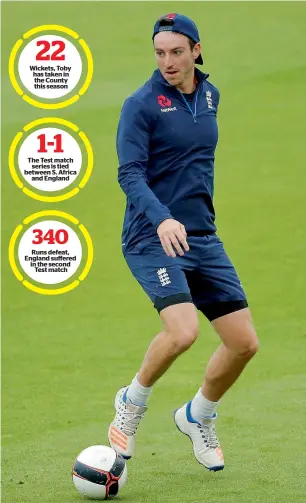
199,60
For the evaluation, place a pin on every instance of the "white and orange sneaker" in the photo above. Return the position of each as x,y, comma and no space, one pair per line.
203,435
123,429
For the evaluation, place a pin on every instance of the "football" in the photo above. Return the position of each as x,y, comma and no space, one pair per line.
99,472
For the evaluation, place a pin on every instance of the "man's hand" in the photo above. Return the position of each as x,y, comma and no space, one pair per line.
172,233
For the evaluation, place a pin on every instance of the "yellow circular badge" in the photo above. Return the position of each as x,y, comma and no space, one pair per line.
50,252
50,171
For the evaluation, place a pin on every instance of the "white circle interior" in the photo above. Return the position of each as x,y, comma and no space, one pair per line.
39,252
45,69
43,178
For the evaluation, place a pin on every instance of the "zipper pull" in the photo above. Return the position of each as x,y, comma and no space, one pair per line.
195,119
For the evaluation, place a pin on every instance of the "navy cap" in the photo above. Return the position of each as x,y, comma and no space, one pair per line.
179,23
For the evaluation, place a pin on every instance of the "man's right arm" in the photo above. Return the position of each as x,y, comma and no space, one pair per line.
133,138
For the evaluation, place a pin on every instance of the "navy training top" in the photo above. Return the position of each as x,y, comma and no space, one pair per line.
166,149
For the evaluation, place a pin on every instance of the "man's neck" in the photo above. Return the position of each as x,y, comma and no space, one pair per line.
189,85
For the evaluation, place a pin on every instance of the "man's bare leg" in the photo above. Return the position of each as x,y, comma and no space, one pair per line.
239,345
180,331
197,418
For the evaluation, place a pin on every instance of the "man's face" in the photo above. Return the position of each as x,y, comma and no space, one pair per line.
174,56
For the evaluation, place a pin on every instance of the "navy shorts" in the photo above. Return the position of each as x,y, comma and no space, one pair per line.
204,275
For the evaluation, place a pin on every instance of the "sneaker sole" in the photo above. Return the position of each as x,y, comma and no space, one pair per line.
212,468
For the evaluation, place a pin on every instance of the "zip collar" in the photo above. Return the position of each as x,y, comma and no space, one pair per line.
193,113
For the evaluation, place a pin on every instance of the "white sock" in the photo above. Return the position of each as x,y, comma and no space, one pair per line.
201,408
138,394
